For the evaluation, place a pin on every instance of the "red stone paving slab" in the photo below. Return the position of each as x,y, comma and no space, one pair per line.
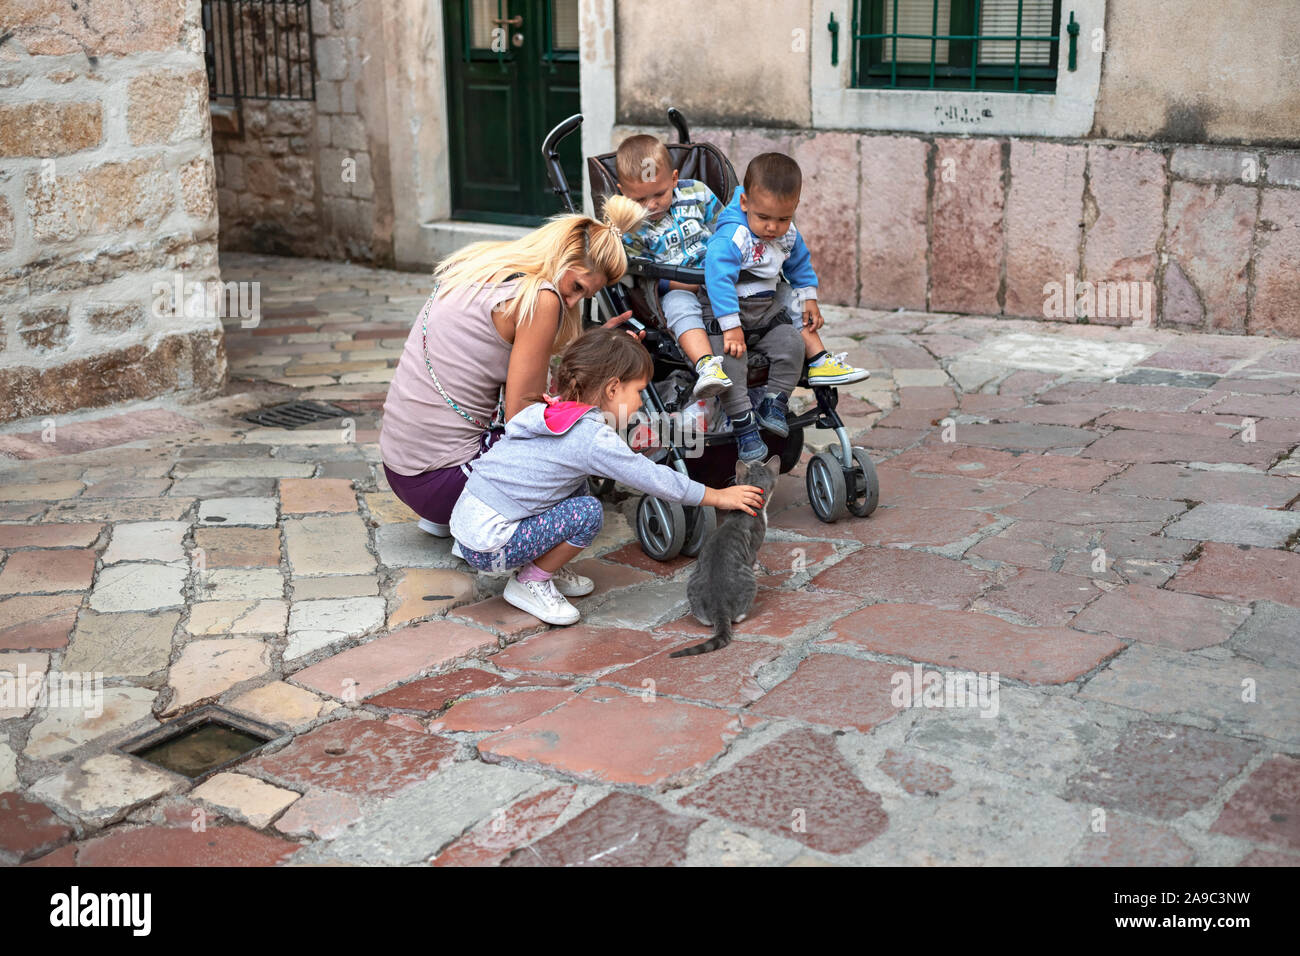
1078,508
181,846
641,741
1025,382
1268,858
1283,431
775,614
888,437
32,572
1138,446
1071,414
1143,398
977,403
919,527
582,649
1190,359
1136,612
498,616
49,535
623,829
239,547
360,757
1160,770
1062,471
1265,807
1204,424
632,556
609,577
909,418
74,437
1260,406
21,510
900,487
724,677
1024,436
960,460
784,559
1225,487
1011,549
498,712
800,788
28,828
38,622
1242,573
1043,597
915,774
835,691
403,654
914,577
128,488
63,856
1128,841
537,680
937,397
971,641
320,813
432,694
405,722
510,829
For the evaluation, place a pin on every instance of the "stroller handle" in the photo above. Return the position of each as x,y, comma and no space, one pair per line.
638,266
679,123
551,154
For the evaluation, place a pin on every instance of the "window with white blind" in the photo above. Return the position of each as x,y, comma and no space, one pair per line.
985,45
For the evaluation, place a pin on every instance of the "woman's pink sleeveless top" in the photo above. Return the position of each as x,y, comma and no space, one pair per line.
421,432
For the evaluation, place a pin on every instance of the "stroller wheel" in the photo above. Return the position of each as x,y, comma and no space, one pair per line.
600,487
827,490
700,523
865,493
660,527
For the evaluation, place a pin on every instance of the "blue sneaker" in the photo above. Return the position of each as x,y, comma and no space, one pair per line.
749,446
771,413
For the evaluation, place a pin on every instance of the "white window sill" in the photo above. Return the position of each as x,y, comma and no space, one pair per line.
1067,112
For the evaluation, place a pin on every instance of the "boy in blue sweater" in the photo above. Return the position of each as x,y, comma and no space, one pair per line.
754,245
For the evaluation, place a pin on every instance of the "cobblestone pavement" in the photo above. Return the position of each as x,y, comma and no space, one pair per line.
1105,518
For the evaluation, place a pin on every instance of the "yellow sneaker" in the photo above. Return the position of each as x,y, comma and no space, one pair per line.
711,379
832,370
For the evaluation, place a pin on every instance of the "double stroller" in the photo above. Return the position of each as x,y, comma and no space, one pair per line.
839,481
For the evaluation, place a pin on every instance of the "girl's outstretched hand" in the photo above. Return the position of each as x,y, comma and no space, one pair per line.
746,498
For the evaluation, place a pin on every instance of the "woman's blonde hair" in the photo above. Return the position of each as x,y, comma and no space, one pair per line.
562,243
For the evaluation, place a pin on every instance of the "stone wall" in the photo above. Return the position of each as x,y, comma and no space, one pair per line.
106,190
983,225
299,177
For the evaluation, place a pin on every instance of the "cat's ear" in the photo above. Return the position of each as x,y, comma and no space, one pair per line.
742,469
773,466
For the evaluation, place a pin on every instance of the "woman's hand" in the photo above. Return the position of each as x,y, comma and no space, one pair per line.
746,498
620,319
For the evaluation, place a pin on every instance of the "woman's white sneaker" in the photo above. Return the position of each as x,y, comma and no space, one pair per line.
541,600
572,584
435,529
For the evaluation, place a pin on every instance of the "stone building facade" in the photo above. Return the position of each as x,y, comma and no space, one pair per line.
107,201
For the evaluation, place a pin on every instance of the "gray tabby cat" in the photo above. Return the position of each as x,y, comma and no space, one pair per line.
723,584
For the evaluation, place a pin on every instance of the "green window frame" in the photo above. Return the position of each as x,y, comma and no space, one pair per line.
1012,60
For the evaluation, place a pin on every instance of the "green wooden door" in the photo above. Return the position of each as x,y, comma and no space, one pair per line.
512,74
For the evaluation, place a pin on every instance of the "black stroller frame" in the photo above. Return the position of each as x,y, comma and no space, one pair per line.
838,482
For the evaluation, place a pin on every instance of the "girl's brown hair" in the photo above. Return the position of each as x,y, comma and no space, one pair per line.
596,357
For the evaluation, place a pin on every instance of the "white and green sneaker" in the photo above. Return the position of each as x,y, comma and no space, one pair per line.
712,380
833,370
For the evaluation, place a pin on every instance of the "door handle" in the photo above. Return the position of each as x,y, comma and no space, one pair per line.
515,21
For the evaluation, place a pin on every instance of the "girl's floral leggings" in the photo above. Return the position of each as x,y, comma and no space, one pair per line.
574,520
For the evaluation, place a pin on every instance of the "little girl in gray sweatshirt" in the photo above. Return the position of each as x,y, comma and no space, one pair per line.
525,505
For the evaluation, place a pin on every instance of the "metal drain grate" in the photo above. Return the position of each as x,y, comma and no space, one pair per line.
294,414
202,743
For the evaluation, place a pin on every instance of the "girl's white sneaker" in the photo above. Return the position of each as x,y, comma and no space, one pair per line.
435,529
541,600
571,584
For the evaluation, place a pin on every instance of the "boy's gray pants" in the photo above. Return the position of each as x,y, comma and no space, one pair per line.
782,344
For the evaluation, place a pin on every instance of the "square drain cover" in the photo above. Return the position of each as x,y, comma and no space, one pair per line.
294,414
202,743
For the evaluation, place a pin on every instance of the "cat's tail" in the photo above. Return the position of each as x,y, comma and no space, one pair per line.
721,638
